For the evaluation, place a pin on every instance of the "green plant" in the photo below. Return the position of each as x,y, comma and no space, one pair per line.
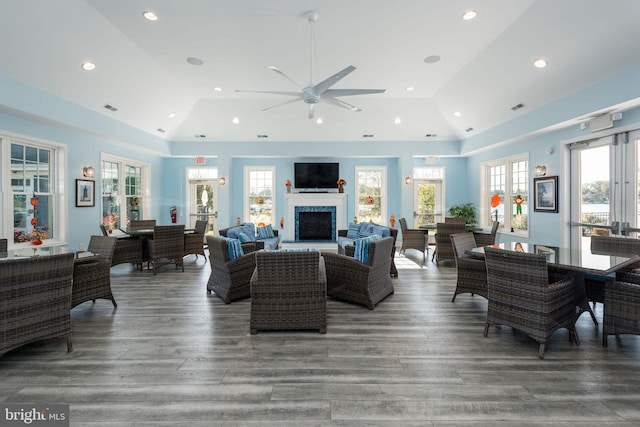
466,211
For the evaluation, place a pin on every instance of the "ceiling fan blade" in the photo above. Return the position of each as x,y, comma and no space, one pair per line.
275,92
299,98
322,87
285,76
332,93
312,111
340,103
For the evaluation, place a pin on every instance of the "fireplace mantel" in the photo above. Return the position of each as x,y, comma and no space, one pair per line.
339,200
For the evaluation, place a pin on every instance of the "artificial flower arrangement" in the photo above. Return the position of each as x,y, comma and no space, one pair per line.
341,182
288,183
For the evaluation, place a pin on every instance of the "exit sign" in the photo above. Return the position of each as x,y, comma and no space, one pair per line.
201,160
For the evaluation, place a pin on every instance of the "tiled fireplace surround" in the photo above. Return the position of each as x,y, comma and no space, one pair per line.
297,203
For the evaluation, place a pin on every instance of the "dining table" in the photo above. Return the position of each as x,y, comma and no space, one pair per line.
572,261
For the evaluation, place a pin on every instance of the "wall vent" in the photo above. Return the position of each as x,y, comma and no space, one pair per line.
517,107
110,107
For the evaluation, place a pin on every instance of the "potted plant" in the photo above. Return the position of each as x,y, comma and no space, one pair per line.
466,211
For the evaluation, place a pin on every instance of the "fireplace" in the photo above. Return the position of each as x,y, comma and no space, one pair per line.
315,223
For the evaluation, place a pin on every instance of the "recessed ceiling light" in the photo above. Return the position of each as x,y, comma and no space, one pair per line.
432,59
540,63
457,114
409,88
217,89
150,16
171,115
469,15
88,66
194,61
397,120
319,120
235,120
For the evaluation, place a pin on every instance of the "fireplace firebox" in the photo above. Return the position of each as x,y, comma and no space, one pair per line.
315,223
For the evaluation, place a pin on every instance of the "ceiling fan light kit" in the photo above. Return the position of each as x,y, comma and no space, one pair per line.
313,94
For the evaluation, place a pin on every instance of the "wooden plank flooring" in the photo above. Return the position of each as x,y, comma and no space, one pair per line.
172,355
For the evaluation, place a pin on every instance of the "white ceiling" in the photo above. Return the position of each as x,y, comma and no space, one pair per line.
486,64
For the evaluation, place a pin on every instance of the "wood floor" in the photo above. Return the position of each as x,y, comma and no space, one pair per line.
172,355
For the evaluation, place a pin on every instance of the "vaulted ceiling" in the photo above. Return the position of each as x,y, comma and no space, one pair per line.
192,60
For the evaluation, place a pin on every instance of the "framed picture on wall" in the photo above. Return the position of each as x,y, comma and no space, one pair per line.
545,194
85,193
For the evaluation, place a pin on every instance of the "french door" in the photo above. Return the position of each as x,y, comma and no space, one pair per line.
604,187
201,200
427,202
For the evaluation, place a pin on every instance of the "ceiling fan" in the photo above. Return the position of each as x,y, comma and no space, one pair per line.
313,94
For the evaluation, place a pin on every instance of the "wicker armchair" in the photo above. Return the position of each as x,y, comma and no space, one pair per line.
92,275
595,285
444,250
35,300
194,242
521,296
167,246
484,239
349,250
367,284
142,223
413,238
3,245
472,273
230,279
128,249
621,307
288,291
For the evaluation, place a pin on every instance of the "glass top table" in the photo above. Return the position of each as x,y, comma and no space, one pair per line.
573,259
28,252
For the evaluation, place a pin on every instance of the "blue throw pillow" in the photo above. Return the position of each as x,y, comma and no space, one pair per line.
243,237
265,232
380,230
235,248
353,230
366,229
362,248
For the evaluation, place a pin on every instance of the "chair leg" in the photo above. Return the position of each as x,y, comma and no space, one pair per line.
113,300
69,345
454,299
486,329
605,340
541,351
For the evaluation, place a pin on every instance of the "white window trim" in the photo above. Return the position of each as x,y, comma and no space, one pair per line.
245,194
383,189
62,196
484,180
146,180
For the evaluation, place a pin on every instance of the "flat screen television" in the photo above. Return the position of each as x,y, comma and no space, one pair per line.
316,175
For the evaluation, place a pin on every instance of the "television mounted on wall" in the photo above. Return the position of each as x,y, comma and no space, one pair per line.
316,175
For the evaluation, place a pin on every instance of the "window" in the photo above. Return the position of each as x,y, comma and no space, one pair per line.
258,206
30,194
371,184
506,194
428,198
131,195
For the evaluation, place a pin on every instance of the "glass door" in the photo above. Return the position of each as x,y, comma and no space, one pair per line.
427,203
202,203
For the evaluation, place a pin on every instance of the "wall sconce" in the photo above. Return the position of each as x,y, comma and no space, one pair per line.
222,181
541,170
407,180
88,171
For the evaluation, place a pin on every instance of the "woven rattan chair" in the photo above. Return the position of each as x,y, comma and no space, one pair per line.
167,246
230,279
366,284
484,239
350,249
594,285
289,291
128,249
471,272
92,275
194,242
3,245
455,220
35,300
621,307
413,238
142,223
520,296
444,250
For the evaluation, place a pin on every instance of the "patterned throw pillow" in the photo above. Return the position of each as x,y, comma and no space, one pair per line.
362,248
353,230
265,232
243,237
235,248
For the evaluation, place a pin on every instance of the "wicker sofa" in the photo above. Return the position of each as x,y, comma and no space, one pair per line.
346,239
249,229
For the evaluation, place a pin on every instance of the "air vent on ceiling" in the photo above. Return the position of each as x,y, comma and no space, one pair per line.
200,136
367,135
160,130
517,107
431,135
468,129
263,136
110,107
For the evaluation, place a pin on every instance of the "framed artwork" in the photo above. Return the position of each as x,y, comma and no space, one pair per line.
85,193
545,194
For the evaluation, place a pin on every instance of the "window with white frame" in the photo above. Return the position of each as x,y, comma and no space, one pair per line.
428,198
124,191
258,206
506,193
31,196
371,191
